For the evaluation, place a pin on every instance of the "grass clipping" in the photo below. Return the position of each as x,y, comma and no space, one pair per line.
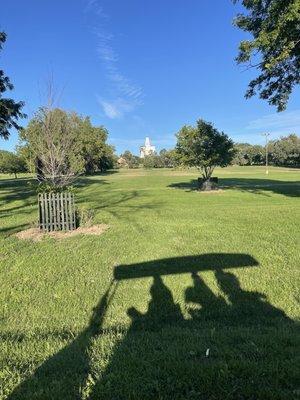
36,235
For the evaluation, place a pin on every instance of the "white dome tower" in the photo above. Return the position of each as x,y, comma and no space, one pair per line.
147,149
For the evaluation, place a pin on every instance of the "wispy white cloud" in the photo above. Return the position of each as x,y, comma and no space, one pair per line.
115,108
110,110
125,95
94,6
288,121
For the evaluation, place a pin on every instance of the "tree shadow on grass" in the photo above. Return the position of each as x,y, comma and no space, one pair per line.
63,374
255,186
15,196
234,345
122,204
22,191
9,230
12,190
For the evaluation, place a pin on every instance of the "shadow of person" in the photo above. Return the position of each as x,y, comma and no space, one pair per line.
212,306
147,341
161,308
162,355
247,307
63,374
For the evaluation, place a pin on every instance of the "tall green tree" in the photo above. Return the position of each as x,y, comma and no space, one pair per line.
24,152
63,145
286,151
248,154
274,48
131,161
168,158
51,138
10,110
97,154
152,161
11,163
204,147
240,157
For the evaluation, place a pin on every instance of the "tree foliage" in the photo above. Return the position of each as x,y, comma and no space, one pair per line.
204,147
64,145
11,163
97,154
168,158
10,110
51,138
248,154
129,160
24,152
165,159
286,151
283,152
152,161
274,49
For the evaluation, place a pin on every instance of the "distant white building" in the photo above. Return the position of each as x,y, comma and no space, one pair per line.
147,149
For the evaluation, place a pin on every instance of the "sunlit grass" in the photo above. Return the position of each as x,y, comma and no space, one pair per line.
78,322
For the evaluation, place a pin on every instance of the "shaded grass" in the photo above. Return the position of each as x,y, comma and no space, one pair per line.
131,314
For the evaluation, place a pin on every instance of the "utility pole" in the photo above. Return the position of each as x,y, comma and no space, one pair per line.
266,135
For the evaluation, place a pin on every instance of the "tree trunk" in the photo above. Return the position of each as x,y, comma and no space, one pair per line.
39,170
207,183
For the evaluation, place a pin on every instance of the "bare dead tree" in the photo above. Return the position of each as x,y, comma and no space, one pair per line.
52,138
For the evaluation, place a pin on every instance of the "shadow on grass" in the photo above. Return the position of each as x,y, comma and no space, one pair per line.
256,186
23,188
9,230
15,190
234,345
17,194
122,204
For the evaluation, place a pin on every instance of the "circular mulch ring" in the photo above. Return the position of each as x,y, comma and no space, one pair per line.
36,235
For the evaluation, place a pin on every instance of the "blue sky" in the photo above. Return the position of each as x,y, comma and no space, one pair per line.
140,68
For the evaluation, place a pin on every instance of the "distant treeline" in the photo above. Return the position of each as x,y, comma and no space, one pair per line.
282,152
97,155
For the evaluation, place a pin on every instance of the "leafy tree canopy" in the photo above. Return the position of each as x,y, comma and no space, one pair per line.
168,158
286,151
10,111
51,140
97,154
130,160
204,147
64,145
248,154
153,161
11,163
282,152
274,49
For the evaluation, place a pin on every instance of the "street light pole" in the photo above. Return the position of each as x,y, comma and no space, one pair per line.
266,135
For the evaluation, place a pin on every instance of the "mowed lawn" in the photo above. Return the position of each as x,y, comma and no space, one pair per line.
188,295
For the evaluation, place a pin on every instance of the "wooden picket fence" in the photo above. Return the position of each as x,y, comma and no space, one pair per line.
57,211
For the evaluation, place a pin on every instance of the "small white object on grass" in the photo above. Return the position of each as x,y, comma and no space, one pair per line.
207,353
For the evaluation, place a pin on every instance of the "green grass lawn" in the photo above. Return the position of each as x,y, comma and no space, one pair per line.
132,313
